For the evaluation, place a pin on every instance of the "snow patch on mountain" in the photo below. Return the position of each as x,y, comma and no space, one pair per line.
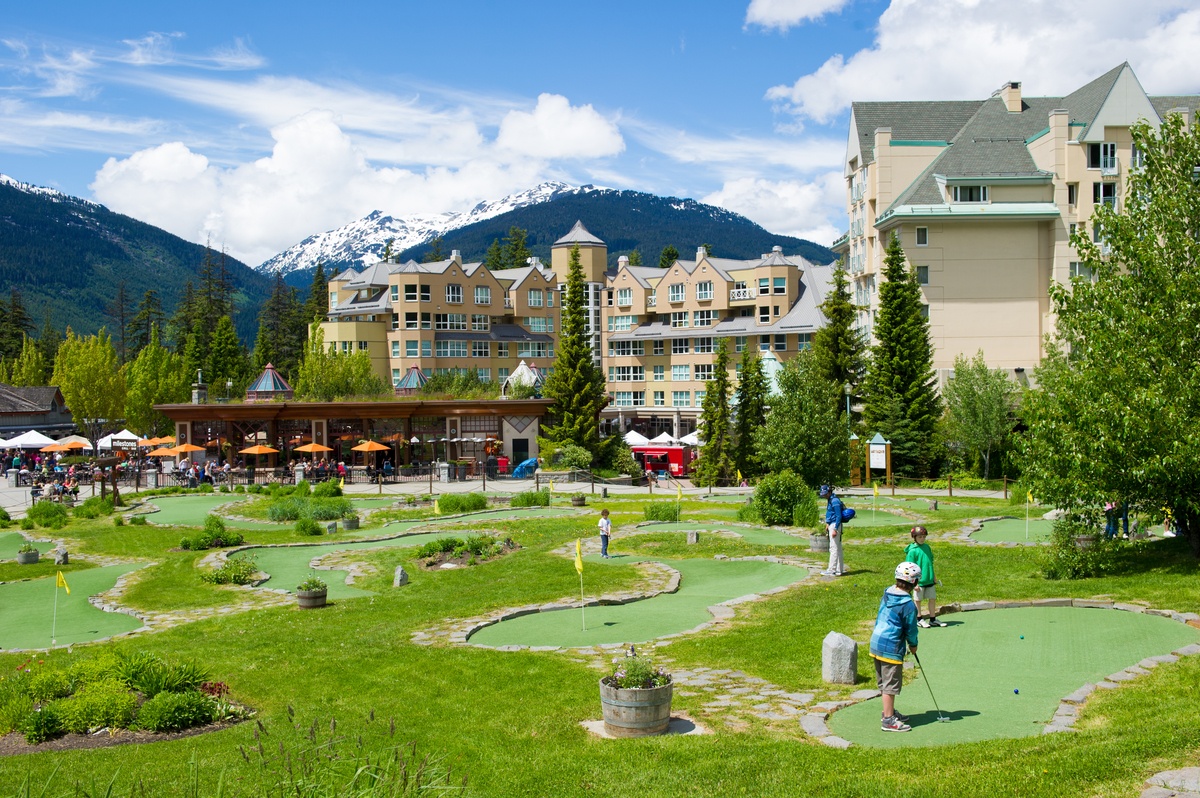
49,193
362,242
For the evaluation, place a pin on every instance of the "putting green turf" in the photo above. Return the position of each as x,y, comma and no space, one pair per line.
188,510
759,535
1012,530
703,584
10,542
27,610
866,517
979,660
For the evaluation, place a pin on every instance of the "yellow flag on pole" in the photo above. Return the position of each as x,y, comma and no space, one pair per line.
62,582
875,487
342,482
436,510
678,492
1029,496
739,476
551,487
578,556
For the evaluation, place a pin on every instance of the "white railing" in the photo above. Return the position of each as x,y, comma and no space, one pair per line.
651,301
1109,167
507,302
739,294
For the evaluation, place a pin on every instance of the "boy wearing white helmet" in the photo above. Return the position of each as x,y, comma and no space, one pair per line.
895,629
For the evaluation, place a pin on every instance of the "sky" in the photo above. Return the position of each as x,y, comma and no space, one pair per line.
253,125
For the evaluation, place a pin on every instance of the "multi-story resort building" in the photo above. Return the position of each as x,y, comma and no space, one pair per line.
984,196
654,331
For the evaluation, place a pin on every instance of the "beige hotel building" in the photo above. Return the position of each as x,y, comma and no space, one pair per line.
984,195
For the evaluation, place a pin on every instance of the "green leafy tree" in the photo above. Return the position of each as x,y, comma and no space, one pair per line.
318,298
716,466
750,400
1115,416
325,375
91,380
668,257
494,259
155,376
575,386
147,316
979,409
29,370
806,430
900,398
839,346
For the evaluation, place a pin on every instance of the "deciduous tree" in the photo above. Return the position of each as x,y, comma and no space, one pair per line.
91,380
805,431
155,376
980,404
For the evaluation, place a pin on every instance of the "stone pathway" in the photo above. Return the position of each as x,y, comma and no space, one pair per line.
1184,783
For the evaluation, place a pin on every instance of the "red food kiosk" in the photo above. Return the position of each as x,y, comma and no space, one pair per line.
664,460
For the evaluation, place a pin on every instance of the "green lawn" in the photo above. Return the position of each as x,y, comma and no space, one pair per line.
510,720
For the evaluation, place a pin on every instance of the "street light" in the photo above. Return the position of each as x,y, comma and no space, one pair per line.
228,389
849,435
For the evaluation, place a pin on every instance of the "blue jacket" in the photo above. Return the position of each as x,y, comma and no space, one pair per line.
833,510
895,625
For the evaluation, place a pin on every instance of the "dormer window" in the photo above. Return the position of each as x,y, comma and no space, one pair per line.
970,193
675,292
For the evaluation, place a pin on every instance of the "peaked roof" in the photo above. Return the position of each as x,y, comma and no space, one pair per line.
413,379
578,235
270,381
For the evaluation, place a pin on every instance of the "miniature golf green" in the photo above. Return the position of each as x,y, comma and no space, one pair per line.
10,542
866,516
188,510
759,535
28,616
703,584
1012,530
1001,673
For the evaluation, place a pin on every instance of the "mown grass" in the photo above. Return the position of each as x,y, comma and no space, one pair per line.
510,720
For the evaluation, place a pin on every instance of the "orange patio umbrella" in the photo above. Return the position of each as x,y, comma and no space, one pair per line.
54,447
312,447
184,448
74,445
258,449
163,452
371,446
159,441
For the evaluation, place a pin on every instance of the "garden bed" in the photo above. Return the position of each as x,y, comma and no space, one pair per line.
14,743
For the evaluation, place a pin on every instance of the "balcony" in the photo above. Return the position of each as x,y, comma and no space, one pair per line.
651,301
508,303
742,294
1109,167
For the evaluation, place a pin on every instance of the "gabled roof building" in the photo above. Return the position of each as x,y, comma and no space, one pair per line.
984,196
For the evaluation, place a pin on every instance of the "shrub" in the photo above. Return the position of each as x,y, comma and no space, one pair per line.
309,527
175,711
205,487
776,497
118,521
636,672
435,547
27,524
288,509
255,489
15,708
748,514
214,536
4,516
47,684
533,498
1064,558
48,514
329,509
623,461
328,490
98,705
571,456
807,512
43,724
662,511
462,502
302,488
312,583
138,520
237,570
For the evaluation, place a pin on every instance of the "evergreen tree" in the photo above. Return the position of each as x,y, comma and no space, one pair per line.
91,380
155,376
494,259
387,250
118,316
5,379
29,370
147,317
576,385
435,251
317,303
181,324
48,342
226,361
839,346
900,398
806,432
635,258
516,250
15,324
751,402
716,466
668,257
281,330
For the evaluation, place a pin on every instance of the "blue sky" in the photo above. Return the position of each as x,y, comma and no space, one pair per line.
256,124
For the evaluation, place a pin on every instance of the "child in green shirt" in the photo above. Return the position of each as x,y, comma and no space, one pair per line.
919,552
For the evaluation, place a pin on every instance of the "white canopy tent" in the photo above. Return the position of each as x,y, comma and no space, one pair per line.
635,438
124,435
80,438
691,439
30,440
664,440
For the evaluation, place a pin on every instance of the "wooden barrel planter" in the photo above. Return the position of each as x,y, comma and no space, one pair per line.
350,522
578,501
311,599
637,712
818,543
27,557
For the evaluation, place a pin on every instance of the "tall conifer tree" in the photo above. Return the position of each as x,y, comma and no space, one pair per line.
751,401
716,466
839,346
318,297
147,317
900,399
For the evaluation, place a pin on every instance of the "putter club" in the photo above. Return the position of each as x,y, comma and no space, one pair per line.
941,718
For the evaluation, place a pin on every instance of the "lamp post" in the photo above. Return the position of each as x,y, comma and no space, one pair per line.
228,389
849,434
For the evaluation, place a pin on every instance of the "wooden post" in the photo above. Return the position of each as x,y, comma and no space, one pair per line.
950,485
1006,487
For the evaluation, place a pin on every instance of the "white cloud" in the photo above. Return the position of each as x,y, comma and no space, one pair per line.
153,49
812,210
964,49
784,14
555,129
741,156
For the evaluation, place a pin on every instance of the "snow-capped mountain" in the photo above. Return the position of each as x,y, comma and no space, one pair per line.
362,242
48,193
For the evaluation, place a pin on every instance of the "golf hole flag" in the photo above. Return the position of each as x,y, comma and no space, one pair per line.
62,582
678,492
578,557
1029,496
875,487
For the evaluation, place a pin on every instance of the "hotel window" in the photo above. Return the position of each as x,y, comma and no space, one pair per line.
659,373
502,349
925,312
480,322
535,297
481,349
923,275
764,343
345,347
454,294
501,375
450,321
610,297
410,292
426,321
681,399
660,398
804,341
332,300
549,297
624,297
681,373
483,295
1081,271
539,324
739,343
533,349
679,319
680,346
700,398
675,292
1102,156
764,314
775,310
1071,228
780,285
704,371
780,343
395,321
703,346
659,347
922,236
485,375
1105,194
626,348
626,374
764,286
451,348
362,346
395,377
426,293
395,349
703,318
410,348
621,323
970,193
624,399
395,292
1072,193
1137,158
704,290
426,349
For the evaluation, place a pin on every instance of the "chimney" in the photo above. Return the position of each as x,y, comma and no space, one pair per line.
622,261
777,248
455,254
1010,93
701,254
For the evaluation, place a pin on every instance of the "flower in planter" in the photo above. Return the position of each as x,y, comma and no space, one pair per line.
27,548
636,672
313,583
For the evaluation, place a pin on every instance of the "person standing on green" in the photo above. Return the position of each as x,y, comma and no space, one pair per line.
919,552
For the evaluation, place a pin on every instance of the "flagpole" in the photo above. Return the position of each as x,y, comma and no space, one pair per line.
1026,517
582,613
54,623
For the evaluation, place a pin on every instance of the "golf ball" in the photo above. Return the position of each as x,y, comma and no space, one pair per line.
1016,691
1022,637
